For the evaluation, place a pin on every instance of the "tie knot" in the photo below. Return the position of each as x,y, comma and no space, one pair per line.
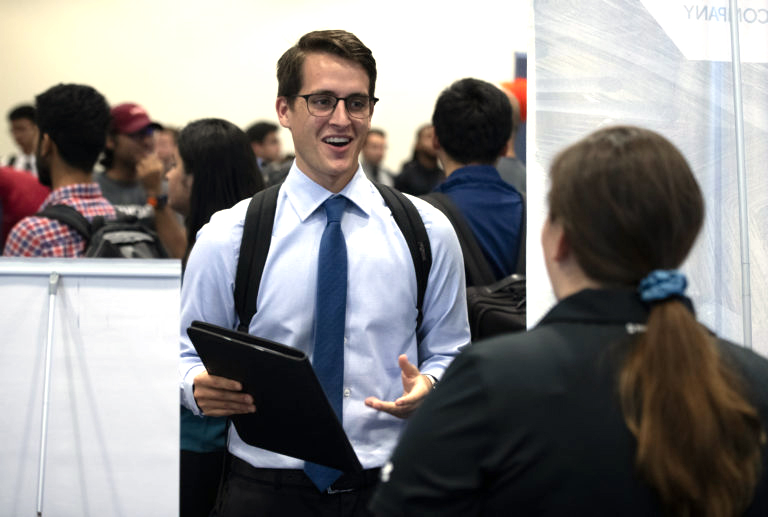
334,208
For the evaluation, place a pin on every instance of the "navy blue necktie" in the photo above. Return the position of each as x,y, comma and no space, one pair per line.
328,356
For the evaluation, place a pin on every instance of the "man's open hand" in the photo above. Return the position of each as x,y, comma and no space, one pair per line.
415,387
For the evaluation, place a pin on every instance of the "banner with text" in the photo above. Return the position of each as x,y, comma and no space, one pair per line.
702,30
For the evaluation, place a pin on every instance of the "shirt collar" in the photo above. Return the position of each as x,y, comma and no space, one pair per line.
475,169
76,190
305,196
471,173
602,306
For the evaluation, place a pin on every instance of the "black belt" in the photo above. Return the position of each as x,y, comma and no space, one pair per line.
348,482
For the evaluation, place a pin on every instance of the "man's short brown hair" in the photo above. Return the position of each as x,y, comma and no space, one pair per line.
337,42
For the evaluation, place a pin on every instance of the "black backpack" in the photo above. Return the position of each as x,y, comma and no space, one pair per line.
124,237
257,236
494,307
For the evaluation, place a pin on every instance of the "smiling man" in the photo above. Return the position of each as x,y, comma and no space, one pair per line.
356,318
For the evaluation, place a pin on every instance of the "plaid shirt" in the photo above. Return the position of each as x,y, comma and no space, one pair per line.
42,237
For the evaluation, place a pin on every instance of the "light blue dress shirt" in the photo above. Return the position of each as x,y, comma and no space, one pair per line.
381,302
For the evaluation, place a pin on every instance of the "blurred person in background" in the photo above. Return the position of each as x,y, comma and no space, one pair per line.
73,121
266,146
20,195
165,145
374,150
25,133
133,177
510,167
213,169
473,121
422,174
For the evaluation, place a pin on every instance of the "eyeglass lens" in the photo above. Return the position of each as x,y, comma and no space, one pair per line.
321,105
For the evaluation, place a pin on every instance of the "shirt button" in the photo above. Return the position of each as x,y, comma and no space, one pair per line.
347,392
345,341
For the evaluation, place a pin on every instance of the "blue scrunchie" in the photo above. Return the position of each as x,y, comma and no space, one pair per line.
662,284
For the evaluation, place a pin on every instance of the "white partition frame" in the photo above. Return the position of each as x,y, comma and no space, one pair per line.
113,417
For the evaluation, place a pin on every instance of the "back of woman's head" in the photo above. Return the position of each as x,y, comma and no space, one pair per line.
630,205
219,157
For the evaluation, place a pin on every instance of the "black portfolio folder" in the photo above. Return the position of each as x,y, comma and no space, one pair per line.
293,415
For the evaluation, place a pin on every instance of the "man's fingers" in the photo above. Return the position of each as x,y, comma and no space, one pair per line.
219,396
389,407
228,411
408,399
381,405
222,383
206,380
221,403
223,396
408,368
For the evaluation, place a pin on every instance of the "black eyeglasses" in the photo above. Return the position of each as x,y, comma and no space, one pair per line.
323,104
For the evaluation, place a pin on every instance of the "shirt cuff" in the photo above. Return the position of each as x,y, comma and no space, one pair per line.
187,393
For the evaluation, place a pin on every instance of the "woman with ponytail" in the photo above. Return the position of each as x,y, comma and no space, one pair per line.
618,402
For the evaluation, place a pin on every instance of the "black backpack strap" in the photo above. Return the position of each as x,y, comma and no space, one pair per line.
254,247
520,268
69,216
409,221
475,264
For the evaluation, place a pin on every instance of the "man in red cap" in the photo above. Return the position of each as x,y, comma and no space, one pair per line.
133,179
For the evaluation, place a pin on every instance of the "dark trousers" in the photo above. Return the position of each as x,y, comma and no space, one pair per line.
199,481
252,492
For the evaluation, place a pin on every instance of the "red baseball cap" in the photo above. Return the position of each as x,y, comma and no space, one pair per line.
129,118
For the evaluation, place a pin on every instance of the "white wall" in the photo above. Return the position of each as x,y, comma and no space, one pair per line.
185,60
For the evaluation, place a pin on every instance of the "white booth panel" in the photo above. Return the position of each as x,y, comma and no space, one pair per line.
659,65
113,413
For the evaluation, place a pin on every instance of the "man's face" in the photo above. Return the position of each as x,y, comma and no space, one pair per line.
327,148
375,147
131,149
425,142
269,149
179,184
165,147
25,133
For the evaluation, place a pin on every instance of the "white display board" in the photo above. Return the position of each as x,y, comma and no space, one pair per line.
596,64
113,413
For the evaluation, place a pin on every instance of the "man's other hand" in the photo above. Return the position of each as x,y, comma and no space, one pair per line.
219,396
